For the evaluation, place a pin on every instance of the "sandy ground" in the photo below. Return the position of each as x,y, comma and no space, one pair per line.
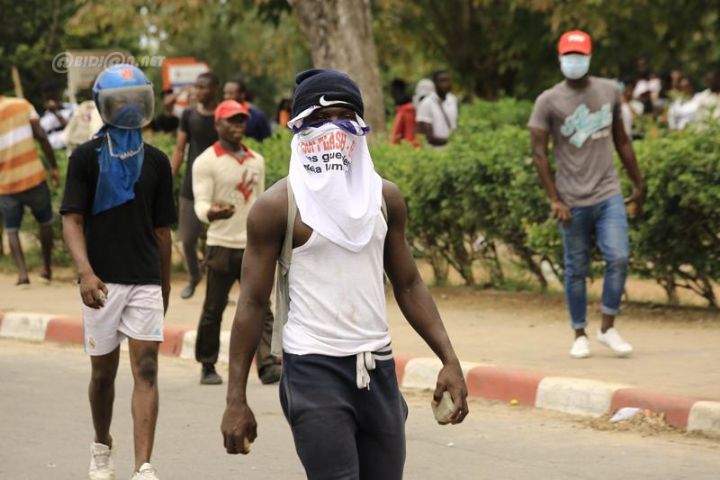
676,349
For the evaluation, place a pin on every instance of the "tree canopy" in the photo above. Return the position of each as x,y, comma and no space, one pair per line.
491,47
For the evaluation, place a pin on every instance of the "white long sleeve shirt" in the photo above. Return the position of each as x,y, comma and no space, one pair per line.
219,177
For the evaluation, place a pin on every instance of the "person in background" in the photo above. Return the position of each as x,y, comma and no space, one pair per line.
257,127
197,129
643,95
166,121
708,101
424,87
184,98
23,180
647,86
84,123
56,116
403,128
227,179
627,109
662,101
438,112
631,109
684,108
117,210
676,76
583,116
283,112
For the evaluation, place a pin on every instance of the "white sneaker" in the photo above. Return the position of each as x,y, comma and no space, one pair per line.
101,462
612,339
146,472
580,348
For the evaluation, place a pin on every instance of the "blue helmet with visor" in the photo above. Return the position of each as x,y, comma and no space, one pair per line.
124,97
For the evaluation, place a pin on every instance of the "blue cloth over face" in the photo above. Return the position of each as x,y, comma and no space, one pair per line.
120,161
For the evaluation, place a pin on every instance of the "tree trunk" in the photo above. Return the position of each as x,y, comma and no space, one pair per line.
527,256
670,286
708,292
440,268
339,34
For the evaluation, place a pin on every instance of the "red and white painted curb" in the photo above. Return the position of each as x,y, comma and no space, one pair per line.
576,396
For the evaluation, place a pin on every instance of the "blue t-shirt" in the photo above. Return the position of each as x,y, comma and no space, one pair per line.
257,126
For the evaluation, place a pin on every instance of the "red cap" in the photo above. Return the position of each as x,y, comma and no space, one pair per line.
230,108
575,41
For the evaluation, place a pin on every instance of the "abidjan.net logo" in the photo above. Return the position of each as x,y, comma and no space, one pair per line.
65,61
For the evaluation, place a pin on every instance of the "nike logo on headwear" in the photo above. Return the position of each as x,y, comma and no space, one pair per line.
327,103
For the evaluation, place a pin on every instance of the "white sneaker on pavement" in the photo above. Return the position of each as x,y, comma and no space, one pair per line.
101,462
145,472
580,347
612,339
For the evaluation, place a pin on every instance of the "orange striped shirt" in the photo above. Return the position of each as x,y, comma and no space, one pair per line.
20,165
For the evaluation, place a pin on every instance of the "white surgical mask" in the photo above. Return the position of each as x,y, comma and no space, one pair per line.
574,65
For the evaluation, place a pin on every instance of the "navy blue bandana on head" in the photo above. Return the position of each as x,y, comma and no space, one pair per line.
321,88
326,88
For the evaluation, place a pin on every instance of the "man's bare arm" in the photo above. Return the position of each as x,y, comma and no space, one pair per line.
417,304
539,140
164,240
40,135
90,285
265,231
623,145
427,130
178,153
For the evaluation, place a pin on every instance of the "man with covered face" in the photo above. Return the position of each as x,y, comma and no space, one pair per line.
583,114
117,211
335,227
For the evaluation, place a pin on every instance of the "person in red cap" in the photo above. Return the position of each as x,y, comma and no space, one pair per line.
583,116
227,179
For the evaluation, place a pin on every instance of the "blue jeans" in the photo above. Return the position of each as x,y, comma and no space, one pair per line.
37,198
608,222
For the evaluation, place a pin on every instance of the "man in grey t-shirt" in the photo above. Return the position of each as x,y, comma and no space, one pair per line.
583,116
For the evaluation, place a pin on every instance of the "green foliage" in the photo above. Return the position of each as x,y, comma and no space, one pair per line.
476,194
677,241
478,202
34,32
508,47
276,151
262,44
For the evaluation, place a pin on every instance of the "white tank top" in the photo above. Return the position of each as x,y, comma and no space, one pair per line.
337,298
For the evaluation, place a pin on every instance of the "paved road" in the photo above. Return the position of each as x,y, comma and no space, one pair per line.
45,432
672,346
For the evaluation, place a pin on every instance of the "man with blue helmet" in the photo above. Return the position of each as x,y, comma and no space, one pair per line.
117,211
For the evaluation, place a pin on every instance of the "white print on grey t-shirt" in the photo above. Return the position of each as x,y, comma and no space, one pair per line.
583,125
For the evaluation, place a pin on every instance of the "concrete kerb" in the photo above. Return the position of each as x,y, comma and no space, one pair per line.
676,408
570,395
577,396
705,418
25,325
421,373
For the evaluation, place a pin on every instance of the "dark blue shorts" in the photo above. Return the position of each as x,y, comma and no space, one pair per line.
36,198
342,432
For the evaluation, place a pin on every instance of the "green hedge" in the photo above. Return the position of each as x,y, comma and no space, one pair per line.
478,202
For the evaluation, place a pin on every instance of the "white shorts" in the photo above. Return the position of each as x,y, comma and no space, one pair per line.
134,311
